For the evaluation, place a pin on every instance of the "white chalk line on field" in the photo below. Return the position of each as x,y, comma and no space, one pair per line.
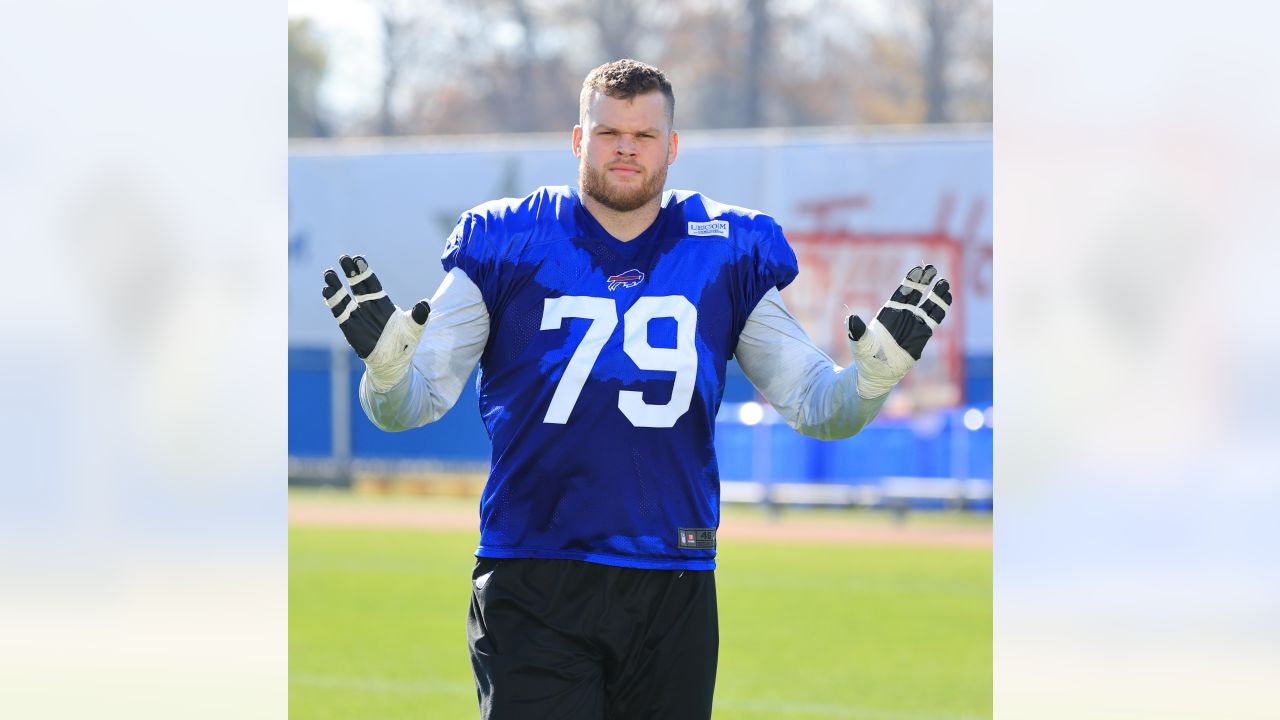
411,517
725,579
383,685
776,581
770,707
834,710
424,568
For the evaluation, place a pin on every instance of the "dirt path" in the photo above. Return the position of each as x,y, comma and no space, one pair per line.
855,533
427,516
407,517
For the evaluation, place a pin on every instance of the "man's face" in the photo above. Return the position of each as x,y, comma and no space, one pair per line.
623,150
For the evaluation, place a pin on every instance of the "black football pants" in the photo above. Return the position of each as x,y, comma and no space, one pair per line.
570,640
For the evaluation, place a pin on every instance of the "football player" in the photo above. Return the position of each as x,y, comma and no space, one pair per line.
602,318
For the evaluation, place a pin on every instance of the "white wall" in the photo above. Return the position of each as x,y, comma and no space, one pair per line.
397,201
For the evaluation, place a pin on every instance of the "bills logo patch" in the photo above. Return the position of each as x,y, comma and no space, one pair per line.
628,279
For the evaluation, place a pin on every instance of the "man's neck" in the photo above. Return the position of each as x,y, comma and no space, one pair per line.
625,226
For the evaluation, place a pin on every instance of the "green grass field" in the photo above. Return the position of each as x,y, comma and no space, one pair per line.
377,628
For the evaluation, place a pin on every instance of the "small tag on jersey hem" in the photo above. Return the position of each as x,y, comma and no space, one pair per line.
697,538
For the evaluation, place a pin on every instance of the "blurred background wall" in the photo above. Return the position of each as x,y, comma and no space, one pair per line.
862,127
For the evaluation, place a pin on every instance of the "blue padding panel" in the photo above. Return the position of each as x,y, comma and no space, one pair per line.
733,450
978,380
920,447
737,388
981,450
310,434
459,436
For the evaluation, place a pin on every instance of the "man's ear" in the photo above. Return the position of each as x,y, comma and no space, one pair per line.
672,151
577,141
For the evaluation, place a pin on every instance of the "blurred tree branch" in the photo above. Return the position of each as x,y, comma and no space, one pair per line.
451,66
308,61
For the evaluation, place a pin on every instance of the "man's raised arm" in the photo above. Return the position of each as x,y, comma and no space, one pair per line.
814,395
414,369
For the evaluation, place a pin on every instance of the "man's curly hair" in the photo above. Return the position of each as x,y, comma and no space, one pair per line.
625,79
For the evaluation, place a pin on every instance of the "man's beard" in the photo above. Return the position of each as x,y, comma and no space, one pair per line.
595,184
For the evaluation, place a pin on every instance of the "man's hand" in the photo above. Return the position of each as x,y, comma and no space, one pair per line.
382,334
887,349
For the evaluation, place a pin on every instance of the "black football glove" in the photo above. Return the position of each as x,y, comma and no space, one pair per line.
887,349
380,333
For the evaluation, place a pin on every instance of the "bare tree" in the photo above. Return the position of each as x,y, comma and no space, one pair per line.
616,24
467,66
829,69
971,68
400,43
754,81
939,21
523,87
308,60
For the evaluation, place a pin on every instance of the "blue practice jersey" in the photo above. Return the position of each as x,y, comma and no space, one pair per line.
604,368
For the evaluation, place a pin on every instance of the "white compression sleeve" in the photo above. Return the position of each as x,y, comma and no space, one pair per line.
816,397
455,336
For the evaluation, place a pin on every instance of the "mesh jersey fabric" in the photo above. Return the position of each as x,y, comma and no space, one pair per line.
641,331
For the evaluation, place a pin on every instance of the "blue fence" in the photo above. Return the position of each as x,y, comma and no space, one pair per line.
935,445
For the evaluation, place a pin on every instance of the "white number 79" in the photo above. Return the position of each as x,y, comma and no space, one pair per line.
603,314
